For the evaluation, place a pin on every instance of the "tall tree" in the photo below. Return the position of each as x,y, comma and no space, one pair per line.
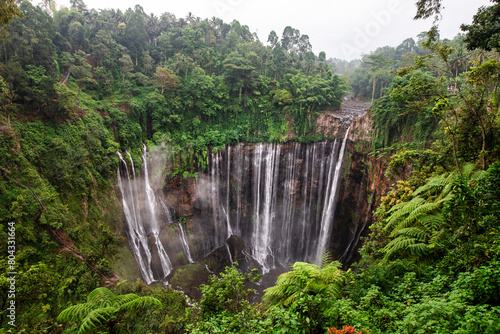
290,38
379,68
273,39
8,10
136,35
165,78
428,8
484,32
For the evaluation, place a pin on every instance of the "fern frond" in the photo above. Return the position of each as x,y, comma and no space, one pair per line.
398,244
437,239
141,302
273,293
479,175
418,249
101,296
467,170
415,215
326,259
332,272
334,291
433,184
412,232
404,209
299,275
291,299
432,221
120,300
446,191
76,312
96,319
398,206
306,278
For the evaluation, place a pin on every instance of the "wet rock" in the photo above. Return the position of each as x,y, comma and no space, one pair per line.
232,251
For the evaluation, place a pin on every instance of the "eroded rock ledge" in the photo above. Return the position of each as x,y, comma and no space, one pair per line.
334,124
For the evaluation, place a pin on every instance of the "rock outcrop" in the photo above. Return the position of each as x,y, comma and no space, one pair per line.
334,124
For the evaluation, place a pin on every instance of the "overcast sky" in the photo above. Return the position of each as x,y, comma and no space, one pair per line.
344,29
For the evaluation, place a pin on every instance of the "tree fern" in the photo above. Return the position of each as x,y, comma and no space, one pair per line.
402,210
306,278
413,223
414,232
101,296
417,227
95,319
140,302
120,300
76,312
326,259
103,307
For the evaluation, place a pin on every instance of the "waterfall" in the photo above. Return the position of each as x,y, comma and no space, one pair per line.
182,232
165,263
278,199
284,250
136,234
185,245
329,208
229,253
142,218
264,215
240,165
228,191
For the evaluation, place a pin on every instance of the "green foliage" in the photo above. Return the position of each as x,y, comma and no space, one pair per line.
306,279
394,120
483,32
452,286
8,10
171,317
105,309
417,226
227,292
249,320
307,291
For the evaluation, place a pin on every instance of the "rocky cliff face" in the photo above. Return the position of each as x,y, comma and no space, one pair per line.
362,182
362,185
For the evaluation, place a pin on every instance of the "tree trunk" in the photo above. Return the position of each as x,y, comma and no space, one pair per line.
374,86
149,120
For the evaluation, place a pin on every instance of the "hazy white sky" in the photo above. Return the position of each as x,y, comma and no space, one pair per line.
344,29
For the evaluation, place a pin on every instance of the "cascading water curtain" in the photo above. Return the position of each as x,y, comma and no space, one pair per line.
279,198
140,207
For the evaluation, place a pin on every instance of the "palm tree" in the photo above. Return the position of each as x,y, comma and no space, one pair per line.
190,18
104,309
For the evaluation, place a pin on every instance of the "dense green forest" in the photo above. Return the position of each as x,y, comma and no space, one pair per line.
77,85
